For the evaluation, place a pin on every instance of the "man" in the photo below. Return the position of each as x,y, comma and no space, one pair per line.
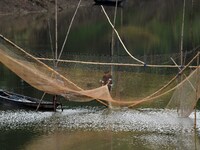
107,80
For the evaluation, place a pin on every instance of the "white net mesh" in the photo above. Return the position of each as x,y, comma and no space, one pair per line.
186,95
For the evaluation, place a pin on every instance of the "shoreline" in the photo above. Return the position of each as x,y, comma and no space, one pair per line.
21,7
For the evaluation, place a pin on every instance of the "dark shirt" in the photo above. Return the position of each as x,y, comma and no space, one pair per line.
107,79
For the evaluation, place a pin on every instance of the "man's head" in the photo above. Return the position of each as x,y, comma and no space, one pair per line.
106,72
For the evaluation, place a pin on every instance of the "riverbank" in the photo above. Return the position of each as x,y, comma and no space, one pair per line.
30,6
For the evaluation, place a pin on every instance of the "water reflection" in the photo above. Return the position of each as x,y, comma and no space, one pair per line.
144,28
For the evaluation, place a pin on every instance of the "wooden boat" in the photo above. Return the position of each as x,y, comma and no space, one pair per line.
20,101
108,2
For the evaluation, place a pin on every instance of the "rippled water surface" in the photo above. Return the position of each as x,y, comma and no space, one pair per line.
94,127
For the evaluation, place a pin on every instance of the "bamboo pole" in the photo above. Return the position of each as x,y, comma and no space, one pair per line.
56,46
113,64
56,31
183,74
113,43
197,89
182,33
120,38
68,31
113,35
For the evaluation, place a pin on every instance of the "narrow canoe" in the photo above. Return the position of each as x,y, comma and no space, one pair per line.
12,99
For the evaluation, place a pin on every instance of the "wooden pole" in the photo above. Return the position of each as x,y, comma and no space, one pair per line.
197,89
54,102
113,42
182,33
56,46
40,101
195,117
113,32
56,31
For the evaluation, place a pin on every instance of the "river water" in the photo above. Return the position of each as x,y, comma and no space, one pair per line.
97,128
151,30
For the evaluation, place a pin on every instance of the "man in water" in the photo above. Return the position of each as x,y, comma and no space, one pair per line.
107,80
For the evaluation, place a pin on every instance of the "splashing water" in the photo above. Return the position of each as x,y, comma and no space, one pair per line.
152,120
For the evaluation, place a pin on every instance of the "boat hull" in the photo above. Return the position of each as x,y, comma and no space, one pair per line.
108,2
14,100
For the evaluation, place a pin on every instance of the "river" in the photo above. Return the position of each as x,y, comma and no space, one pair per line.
151,31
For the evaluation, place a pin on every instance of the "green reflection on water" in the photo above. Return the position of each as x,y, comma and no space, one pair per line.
144,27
15,139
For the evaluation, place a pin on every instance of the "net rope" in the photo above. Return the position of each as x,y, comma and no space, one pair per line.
44,78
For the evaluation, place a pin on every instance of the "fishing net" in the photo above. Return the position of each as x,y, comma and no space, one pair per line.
134,84
186,95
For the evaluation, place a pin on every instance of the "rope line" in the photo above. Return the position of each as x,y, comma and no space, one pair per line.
120,37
